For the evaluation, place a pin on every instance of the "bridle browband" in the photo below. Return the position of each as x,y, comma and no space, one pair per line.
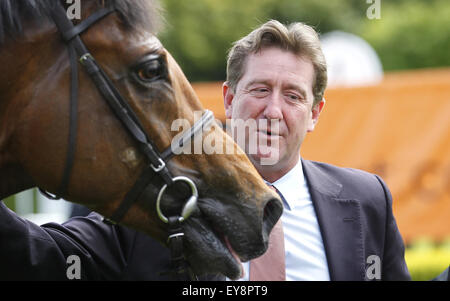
157,161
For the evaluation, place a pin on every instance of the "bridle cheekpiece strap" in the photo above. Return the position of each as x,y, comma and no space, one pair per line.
123,111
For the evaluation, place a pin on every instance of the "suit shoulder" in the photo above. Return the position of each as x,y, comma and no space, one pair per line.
352,173
355,182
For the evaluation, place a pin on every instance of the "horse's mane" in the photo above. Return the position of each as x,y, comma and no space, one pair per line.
134,13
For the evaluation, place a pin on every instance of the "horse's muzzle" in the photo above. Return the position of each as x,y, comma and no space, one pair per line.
272,213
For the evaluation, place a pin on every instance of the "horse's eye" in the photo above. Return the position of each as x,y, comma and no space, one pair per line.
150,71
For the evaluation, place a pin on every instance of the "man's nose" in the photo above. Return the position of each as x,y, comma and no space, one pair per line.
273,108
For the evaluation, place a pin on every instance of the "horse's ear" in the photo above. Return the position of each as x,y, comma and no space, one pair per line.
228,96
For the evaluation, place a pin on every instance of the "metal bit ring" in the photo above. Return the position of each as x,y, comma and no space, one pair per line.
188,208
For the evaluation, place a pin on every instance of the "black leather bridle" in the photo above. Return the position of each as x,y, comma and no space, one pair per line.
157,161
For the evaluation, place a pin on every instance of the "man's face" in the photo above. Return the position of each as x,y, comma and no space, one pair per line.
276,86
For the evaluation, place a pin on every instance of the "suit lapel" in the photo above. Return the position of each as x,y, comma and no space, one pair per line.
340,224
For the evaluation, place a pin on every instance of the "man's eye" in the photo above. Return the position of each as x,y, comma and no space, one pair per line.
294,97
260,91
150,71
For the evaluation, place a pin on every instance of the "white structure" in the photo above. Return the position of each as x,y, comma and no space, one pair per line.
48,210
351,60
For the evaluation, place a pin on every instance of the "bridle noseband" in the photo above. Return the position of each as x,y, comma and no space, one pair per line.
157,161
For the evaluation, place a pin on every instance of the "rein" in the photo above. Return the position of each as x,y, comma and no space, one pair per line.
157,161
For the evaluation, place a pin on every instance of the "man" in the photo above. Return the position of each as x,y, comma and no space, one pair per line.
338,223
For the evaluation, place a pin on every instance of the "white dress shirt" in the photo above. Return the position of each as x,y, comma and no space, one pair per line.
305,253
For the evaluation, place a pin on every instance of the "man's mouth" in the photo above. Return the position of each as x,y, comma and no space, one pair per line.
269,133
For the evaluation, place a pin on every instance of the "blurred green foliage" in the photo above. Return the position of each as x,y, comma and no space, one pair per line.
426,259
409,34
10,203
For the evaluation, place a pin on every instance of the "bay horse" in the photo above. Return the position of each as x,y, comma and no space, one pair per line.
59,131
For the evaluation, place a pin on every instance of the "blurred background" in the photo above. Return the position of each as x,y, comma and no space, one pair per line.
388,100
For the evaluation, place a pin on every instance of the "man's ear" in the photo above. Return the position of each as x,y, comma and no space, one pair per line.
228,97
316,110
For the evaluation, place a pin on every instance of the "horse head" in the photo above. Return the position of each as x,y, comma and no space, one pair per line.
235,210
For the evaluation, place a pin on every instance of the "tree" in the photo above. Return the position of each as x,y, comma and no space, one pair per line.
410,33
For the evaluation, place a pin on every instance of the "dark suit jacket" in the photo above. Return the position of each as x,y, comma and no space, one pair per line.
354,211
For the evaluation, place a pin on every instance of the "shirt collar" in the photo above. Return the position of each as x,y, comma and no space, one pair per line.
288,185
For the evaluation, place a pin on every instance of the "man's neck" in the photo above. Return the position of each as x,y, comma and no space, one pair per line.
272,173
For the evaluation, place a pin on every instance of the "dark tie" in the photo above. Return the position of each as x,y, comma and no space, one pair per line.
271,265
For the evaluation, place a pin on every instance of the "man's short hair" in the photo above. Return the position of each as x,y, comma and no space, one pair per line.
298,38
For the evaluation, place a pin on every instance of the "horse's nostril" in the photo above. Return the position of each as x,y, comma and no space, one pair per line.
272,212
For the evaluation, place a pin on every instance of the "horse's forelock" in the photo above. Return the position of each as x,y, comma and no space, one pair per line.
139,13
14,12
144,14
